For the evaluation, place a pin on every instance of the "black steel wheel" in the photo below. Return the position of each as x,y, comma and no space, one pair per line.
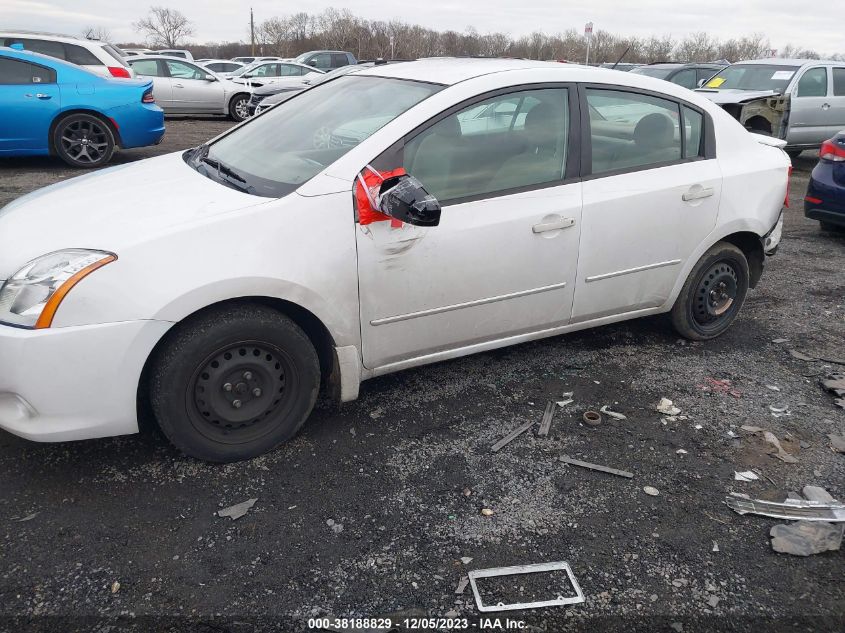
234,382
83,140
239,107
713,293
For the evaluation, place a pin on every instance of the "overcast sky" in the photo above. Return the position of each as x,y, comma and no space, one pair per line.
816,25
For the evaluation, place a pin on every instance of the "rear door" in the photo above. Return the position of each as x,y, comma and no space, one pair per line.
810,108
29,100
192,92
503,260
651,195
837,100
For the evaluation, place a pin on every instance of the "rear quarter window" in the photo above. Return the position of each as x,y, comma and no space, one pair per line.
80,55
17,72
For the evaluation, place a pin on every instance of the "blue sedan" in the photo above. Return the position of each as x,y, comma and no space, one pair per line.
51,107
825,199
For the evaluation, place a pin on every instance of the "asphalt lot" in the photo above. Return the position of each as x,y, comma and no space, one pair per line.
370,509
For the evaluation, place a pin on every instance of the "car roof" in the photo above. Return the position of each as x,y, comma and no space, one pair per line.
58,37
452,70
778,61
135,58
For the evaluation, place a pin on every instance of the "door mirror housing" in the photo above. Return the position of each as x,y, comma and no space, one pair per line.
210,78
404,198
701,83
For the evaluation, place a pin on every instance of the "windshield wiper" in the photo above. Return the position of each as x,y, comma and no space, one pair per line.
223,169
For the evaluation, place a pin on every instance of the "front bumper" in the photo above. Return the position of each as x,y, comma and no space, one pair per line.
73,383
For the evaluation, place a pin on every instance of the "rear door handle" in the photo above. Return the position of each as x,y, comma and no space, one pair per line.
698,193
43,96
554,225
825,106
178,86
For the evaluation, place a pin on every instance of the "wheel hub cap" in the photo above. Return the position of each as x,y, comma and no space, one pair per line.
716,293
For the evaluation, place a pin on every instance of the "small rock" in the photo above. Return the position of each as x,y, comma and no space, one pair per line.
487,512
466,560
115,587
651,491
467,492
713,601
451,613
654,597
677,626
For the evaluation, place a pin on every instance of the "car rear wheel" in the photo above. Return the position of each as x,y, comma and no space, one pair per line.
794,153
713,293
234,383
239,107
83,140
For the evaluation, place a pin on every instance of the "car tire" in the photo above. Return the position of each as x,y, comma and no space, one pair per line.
713,293
239,107
234,382
794,153
83,140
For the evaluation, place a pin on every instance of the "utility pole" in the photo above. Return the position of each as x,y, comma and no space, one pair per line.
252,31
588,31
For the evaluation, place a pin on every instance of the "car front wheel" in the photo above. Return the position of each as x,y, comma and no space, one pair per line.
713,293
234,382
239,107
83,140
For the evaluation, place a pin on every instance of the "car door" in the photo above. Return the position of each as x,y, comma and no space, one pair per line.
651,195
837,101
29,100
810,116
154,69
192,92
503,259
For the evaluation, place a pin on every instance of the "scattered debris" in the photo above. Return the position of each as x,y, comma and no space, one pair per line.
466,560
605,469
721,386
546,422
779,410
835,383
805,538
748,475
715,547
613,414
593,418
666,407
475,574
337,528
467,492
563,403
681,451
28,517
778,341
677,626
652,491
780,454
510,437
801,356
817,493
115,587
462,584
793,509
487,512
713,601
837,443
751,429
238,510
773,387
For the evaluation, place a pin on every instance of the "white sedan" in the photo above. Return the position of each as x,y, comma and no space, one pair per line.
373,223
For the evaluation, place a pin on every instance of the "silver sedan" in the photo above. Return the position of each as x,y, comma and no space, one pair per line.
185,87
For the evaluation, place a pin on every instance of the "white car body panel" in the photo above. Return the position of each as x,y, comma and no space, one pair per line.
185,242
95,47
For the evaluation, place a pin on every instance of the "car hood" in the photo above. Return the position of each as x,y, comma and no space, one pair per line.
111,209
735,96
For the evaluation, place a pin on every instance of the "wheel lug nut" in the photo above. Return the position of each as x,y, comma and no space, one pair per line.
237,404
227,386
247,375
256,392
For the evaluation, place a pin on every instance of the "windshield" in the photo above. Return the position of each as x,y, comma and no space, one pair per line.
753,77
660,73
274,154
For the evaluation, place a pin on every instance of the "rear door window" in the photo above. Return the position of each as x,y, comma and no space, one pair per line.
322,61
80,55
147,67
17,72
289,70
632,131
686,78
339,59
839,82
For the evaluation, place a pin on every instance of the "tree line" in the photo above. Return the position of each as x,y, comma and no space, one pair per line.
287,36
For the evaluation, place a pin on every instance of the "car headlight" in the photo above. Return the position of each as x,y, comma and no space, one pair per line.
31,296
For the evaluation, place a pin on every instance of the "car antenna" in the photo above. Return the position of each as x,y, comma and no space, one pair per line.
621,58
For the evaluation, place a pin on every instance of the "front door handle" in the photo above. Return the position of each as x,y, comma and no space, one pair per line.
697,193
178,86
554,225
43,96
825,106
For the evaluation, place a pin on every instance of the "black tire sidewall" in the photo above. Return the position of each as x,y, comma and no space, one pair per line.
682,313
57,140
190,344
232,112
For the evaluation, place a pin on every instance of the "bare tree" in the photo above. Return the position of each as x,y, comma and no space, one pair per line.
165,27
96,33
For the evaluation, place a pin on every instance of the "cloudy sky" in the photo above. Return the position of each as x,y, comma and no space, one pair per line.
783,21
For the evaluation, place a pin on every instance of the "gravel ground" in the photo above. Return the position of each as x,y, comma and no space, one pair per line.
370,509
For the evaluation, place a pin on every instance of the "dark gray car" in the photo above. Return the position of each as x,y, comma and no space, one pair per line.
687,75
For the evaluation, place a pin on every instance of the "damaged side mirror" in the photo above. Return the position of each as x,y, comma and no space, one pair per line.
404,198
